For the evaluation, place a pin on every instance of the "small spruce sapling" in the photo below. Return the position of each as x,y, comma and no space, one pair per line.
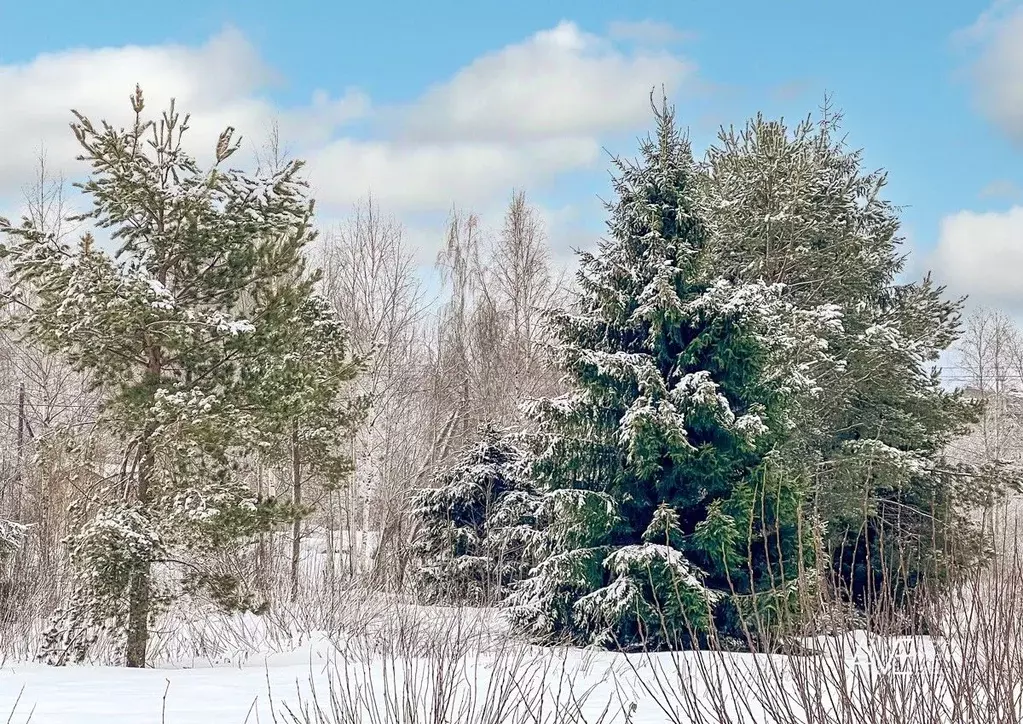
475,537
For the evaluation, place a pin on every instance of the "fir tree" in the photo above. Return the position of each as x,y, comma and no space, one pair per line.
667,511
476,525
205,338
795,207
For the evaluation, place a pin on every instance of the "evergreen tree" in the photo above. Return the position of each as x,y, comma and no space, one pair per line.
12,535
476,529
669,511
794,207
205,338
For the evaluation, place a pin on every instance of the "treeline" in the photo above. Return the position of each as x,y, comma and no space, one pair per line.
726,423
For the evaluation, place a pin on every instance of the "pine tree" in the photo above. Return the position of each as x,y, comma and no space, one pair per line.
668,511
795,207
204,336
476,532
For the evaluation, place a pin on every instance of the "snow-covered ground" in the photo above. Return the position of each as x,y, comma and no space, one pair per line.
226,694
104,695
383,655
416,659
389,662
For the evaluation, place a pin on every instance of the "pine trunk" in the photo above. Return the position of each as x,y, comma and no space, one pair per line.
139,598
139,588
138,619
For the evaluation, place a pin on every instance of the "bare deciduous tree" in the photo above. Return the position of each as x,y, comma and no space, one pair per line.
527,288
990,362
371,277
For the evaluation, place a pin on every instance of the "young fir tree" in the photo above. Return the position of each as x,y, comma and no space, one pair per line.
204,335
476,529
667,513
795,207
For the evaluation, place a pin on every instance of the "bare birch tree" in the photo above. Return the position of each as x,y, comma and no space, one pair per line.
371,277
440,370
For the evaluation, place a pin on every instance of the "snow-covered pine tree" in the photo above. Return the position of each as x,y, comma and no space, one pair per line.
204,336
794,206
475,525
665,513
12,535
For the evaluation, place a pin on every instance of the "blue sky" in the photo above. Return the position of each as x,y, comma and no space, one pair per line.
922,85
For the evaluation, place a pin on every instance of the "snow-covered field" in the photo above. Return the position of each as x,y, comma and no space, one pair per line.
389,662
110,695
422,665
224,694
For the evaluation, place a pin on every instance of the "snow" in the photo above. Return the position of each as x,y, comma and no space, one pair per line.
625,561
227,693
11,536
109,695
485,669
236,327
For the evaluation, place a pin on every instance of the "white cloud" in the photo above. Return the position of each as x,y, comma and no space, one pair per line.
218,83
516,117
558,82
980,254
998,35
427,176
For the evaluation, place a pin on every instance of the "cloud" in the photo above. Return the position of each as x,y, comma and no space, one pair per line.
1001,189
520,116
998,36
647,32
986,23
980,254
424,176
218,83
559,82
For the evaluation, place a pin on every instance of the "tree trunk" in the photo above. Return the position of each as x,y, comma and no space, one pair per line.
331,541
296,498
139,599
139,588
138,618
20,474
262,562
349,506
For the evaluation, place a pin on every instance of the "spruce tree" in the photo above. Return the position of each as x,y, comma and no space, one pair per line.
476,531
208,344
667,511
794,206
